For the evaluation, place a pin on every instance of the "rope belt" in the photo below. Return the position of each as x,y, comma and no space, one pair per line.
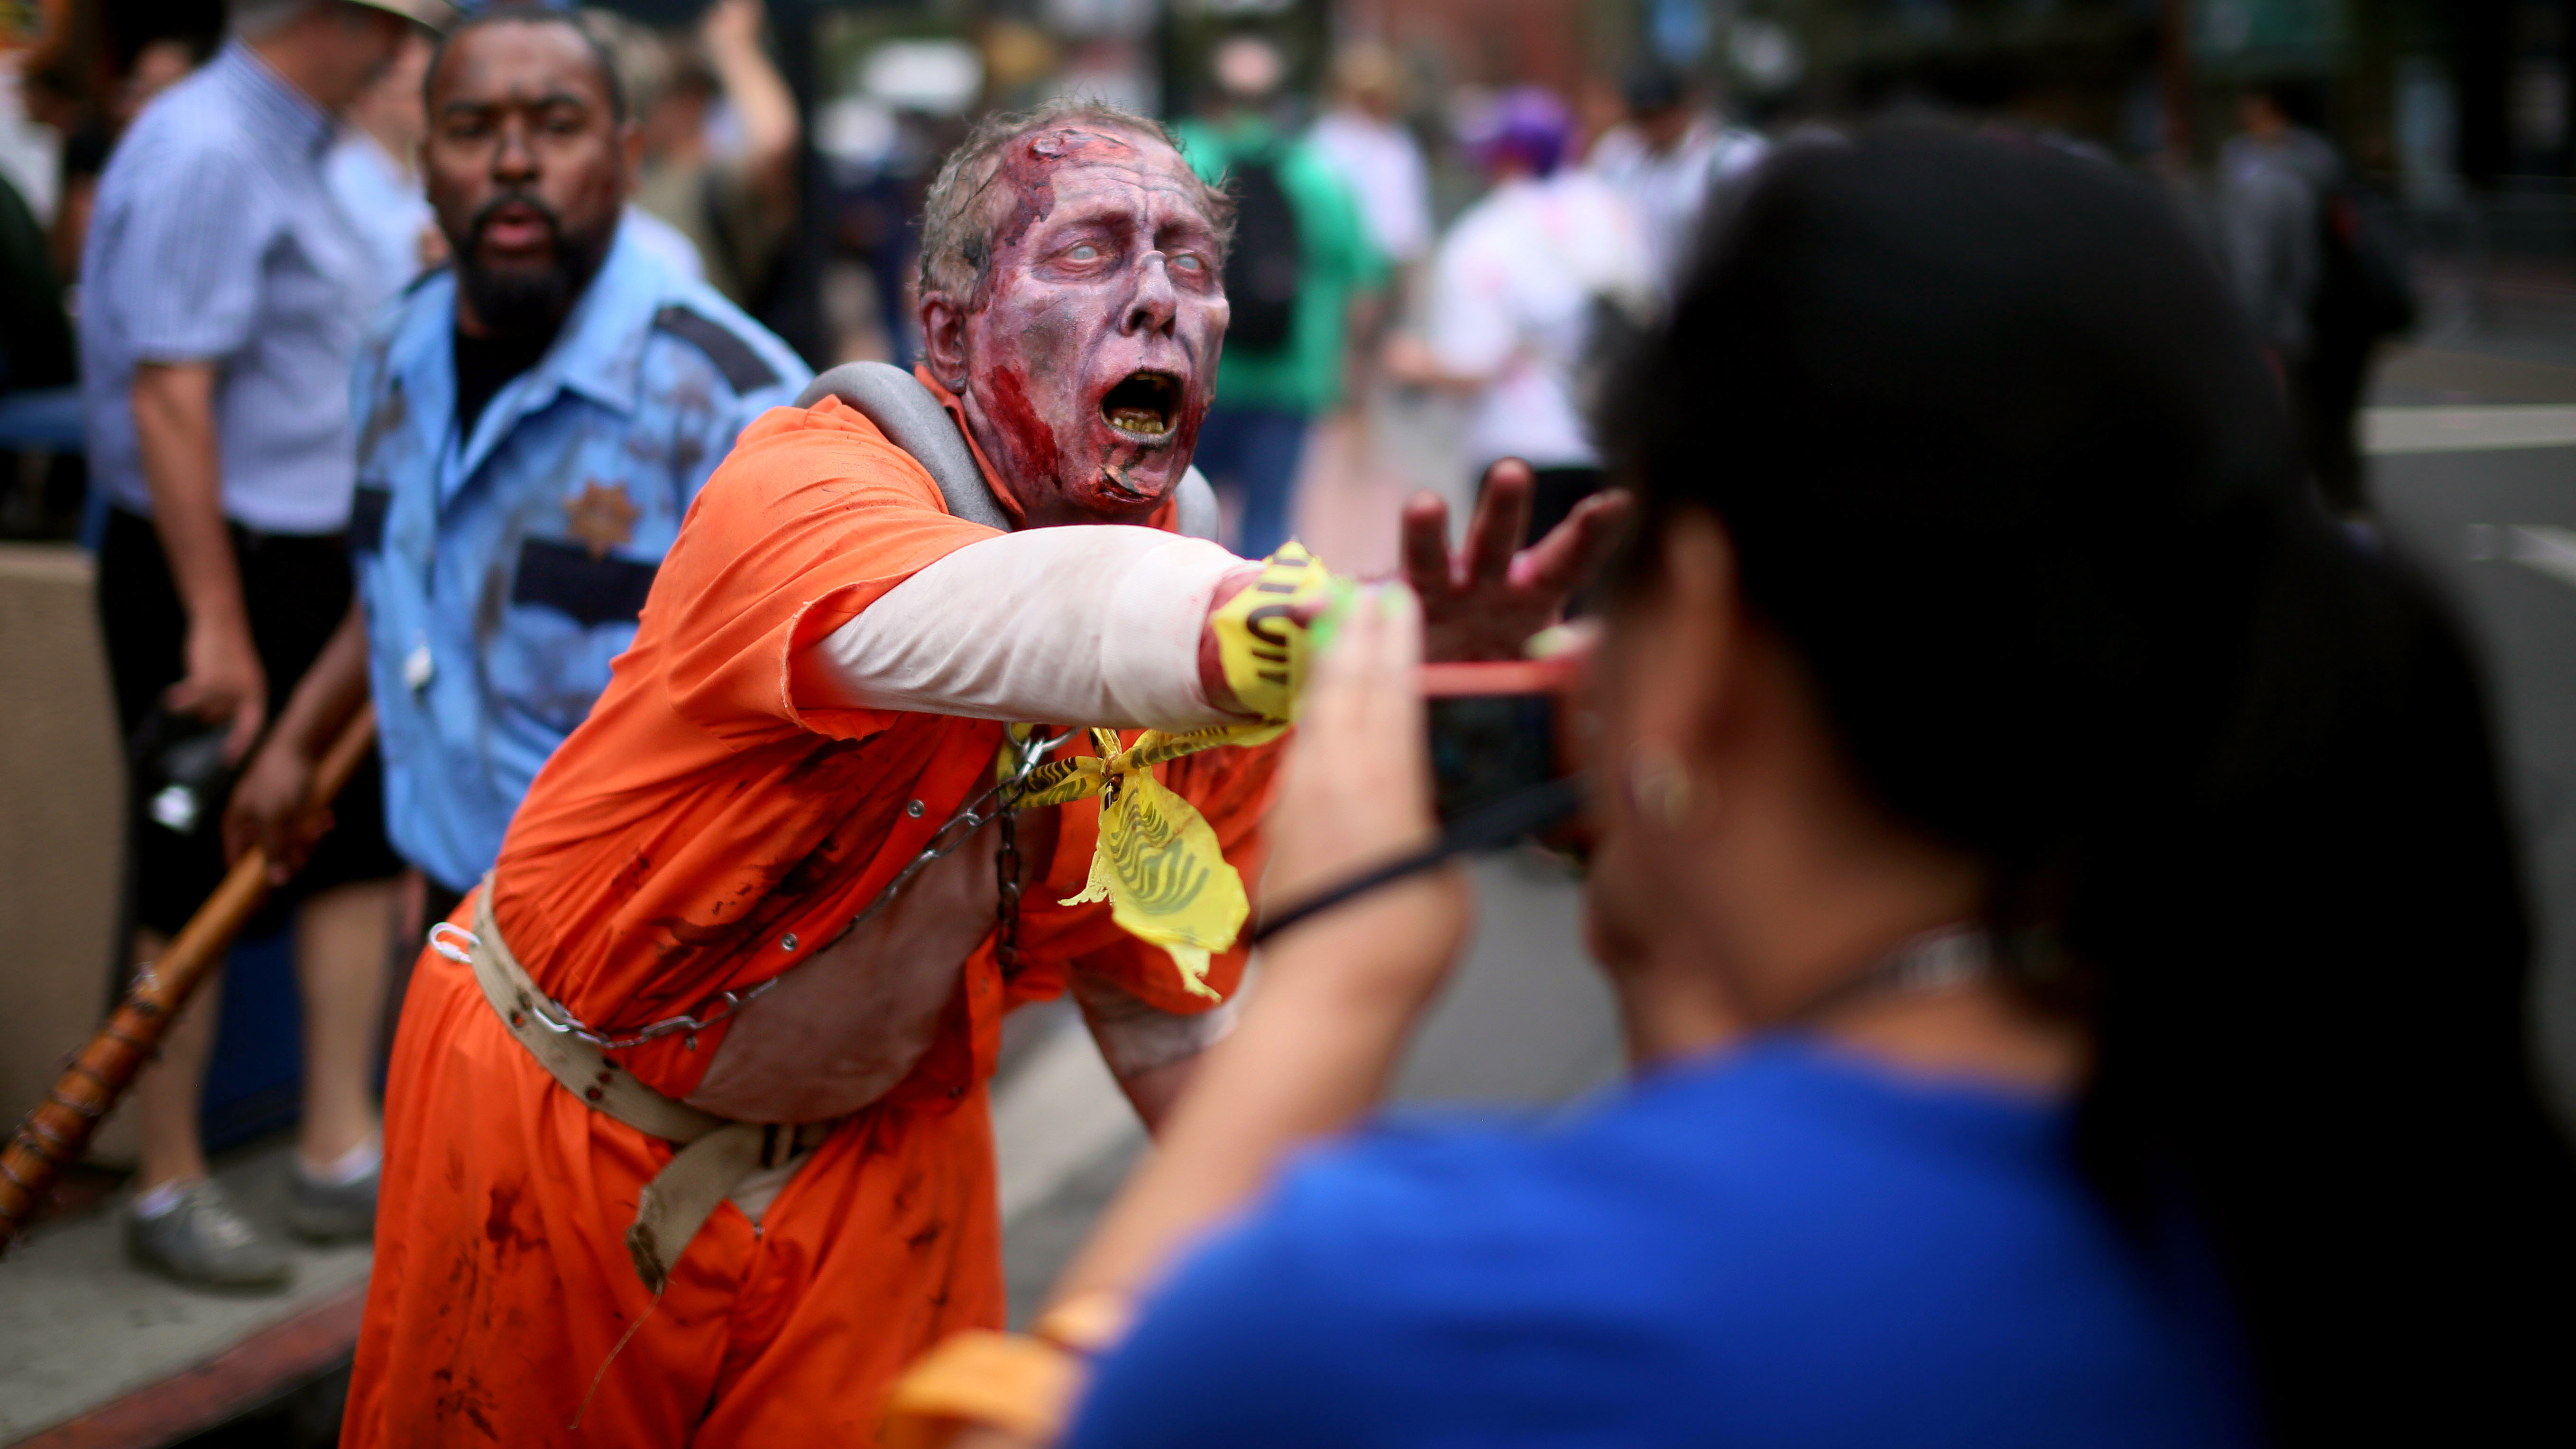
716,1153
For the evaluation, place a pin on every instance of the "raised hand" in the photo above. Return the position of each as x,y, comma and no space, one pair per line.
1487,599
272,808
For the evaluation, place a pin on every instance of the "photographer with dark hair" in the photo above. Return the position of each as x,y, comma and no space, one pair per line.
2066,926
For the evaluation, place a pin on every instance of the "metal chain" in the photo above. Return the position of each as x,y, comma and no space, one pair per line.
1006,905
998,802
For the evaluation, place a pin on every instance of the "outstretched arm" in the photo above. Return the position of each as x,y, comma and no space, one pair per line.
1103,625
1109,625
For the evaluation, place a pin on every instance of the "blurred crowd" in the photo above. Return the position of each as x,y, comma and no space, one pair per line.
1558,223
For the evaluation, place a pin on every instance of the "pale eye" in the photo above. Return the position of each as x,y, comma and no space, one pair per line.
1085,252
1189,263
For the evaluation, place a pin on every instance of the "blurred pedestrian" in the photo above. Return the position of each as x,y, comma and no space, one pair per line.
1669,156
223,293
1534,289
90,127
732,195
590,392
2320,281
1364,140
2039,1039
374,172
35,331
1300,261
645,68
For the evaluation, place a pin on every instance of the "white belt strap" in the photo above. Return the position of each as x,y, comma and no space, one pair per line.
715,1154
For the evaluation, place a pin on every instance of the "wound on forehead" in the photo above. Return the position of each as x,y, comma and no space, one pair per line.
1027,172
1068,144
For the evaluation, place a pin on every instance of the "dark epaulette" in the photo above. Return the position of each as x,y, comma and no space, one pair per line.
744,369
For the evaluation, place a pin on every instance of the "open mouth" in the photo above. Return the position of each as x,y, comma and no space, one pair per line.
515,225
1144,407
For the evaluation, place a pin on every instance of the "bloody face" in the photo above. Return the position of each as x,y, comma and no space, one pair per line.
525,165
1089,346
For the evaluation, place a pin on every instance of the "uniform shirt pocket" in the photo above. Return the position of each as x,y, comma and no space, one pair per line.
591,591
569,616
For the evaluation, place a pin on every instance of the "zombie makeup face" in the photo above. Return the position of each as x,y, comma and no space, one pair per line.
1089,348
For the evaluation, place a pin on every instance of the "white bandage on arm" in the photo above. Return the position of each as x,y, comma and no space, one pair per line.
1088,625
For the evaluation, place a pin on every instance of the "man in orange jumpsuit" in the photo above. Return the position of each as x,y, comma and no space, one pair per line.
690,922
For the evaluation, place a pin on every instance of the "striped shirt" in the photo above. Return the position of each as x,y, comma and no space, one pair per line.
215,240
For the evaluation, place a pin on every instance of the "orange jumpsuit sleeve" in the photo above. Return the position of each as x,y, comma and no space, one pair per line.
813,518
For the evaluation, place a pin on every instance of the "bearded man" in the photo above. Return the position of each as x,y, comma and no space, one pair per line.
750,889
537,418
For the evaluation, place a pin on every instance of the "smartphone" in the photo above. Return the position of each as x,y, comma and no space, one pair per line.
1497,730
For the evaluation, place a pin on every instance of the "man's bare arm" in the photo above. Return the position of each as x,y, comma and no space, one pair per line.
759,96
174,428
1151,1052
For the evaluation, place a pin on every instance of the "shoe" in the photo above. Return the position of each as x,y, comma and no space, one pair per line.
202,1240
327,1212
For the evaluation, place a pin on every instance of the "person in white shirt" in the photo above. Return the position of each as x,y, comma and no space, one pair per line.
1668,158
374,175
1531,288
1362,140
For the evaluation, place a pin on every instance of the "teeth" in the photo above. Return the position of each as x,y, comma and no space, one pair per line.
1139,420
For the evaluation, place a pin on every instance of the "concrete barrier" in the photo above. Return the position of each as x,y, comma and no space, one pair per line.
62,799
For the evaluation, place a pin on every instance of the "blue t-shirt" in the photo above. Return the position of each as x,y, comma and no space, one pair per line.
1782,1246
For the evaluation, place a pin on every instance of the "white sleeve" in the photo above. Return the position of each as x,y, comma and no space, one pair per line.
1084,625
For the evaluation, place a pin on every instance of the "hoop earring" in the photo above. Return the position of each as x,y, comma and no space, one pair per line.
1659,786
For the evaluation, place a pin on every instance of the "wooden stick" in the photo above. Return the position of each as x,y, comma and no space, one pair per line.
56,1134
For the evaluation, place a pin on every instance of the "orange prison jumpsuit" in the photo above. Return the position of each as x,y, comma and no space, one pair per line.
691,825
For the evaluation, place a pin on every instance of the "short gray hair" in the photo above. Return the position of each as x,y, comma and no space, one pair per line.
958,218
255,18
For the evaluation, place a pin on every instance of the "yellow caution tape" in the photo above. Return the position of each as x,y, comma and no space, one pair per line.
1158,863
1261,642
1165,877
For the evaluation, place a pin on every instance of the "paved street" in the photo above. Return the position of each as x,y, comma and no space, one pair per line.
1525,1022
2492,518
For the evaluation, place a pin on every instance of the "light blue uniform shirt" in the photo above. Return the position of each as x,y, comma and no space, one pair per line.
502,572
215,241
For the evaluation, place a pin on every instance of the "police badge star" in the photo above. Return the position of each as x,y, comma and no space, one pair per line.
602,517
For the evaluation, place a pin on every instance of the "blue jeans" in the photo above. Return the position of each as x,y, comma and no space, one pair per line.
1255,451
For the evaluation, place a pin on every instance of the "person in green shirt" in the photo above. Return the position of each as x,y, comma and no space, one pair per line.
1301,260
